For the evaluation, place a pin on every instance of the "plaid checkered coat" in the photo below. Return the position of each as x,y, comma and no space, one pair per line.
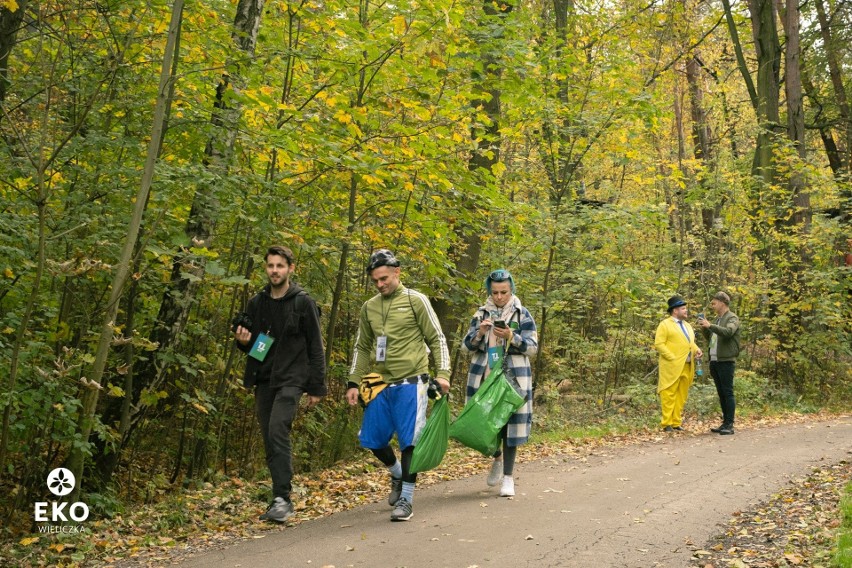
523,346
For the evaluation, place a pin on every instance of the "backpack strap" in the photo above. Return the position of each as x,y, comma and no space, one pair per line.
302,302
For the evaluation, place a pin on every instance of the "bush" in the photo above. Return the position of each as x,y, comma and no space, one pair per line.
754,393
843,555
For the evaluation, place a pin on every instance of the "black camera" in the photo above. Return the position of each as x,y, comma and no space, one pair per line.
499,323
433,391
241,319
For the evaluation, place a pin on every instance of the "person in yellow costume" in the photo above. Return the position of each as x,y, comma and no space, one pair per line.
675,343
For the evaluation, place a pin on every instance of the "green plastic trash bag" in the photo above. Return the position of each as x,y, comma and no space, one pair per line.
488,410
432,445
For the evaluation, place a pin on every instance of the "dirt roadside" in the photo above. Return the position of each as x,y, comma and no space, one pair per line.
645,505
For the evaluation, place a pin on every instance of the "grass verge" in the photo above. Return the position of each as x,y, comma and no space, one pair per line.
843,555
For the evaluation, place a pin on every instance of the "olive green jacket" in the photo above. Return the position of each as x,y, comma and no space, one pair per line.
727,330
408,322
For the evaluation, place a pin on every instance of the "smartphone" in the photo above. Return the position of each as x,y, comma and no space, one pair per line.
499,323
700,317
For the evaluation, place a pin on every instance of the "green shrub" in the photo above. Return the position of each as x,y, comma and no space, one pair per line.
843,555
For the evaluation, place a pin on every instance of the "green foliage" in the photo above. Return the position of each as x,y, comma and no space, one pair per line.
755,396
107,504
843,555
583,431
358,127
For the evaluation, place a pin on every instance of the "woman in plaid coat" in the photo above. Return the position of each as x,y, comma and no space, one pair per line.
500,328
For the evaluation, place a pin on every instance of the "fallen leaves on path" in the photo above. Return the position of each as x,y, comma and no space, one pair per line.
795,527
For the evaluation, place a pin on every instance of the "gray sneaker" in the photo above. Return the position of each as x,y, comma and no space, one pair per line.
279,511
402,511
495,474
395,492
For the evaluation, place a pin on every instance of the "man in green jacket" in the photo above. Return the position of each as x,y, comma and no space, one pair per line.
723,336
395,328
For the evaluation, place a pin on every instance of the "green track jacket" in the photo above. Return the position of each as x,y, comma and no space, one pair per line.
408,321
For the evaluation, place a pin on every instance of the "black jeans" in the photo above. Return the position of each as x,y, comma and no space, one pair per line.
723,375
276,410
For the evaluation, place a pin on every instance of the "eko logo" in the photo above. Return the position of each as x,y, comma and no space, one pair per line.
61,482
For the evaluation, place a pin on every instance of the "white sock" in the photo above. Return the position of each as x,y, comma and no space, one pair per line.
407,491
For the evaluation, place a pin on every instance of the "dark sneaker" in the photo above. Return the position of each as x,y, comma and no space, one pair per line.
395,492
726,430
668,429
279,511
678,428
402,511
717,428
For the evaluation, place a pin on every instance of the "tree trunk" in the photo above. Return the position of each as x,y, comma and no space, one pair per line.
468,252
768,52
86,417
801,216
120,410
180,294
836,161
704,145
10,22
836,73
738,51
560,168
340,280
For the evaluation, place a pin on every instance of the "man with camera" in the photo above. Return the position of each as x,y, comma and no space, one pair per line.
723,336
396,331
280,333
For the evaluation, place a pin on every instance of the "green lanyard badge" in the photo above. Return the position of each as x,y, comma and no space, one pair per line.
261,346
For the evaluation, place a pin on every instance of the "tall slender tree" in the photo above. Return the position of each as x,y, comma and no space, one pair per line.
188,267
86,418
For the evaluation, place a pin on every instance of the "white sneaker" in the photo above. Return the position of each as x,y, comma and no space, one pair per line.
495,476
508,489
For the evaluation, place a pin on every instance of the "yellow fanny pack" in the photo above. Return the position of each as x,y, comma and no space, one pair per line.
370,387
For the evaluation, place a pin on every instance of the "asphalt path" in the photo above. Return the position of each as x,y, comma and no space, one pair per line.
635,506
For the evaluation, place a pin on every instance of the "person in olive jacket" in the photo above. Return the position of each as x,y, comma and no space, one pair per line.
723,336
